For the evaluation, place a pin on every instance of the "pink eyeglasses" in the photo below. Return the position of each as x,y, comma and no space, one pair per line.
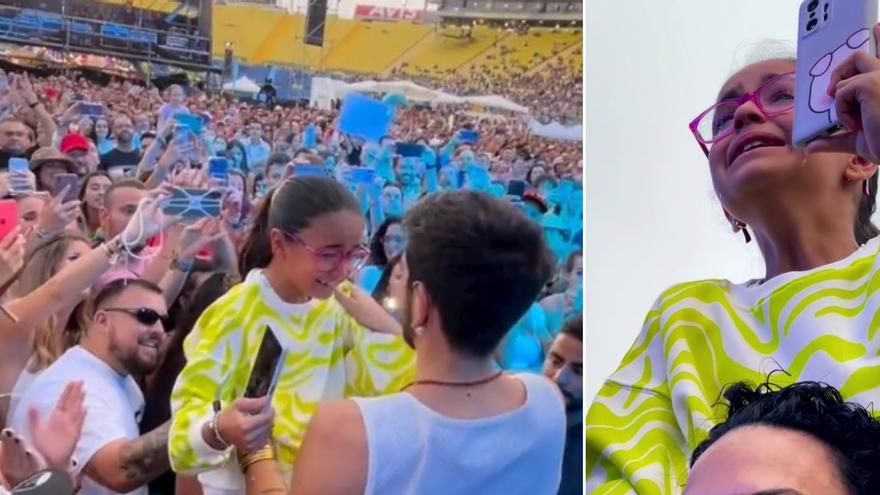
330,258
774,97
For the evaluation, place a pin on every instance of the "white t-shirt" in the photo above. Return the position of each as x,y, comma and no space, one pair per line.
114,406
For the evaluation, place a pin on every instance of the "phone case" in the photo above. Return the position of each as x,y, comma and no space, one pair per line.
8,216
828,32
192,204
267,367
306,170
64,180
218,169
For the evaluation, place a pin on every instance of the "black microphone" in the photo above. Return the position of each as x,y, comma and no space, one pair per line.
46,482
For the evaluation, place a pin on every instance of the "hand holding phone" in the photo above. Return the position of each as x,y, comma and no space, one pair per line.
21,179
829,33
267,368
68,182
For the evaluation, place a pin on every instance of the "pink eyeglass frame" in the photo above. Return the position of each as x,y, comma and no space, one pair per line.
750,96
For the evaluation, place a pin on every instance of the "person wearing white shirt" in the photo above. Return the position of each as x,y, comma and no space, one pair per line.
121,341
255,147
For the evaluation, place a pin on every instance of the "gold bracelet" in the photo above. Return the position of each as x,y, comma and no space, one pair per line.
266,453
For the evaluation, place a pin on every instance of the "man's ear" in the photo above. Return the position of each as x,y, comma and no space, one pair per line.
858,169
421,305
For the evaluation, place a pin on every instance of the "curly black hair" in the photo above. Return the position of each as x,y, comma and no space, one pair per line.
816,409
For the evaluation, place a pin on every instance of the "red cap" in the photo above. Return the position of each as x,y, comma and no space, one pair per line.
74,142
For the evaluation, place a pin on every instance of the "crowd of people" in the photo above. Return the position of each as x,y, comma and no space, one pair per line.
428,305
553,93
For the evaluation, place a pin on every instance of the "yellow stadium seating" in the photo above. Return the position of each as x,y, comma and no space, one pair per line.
270,35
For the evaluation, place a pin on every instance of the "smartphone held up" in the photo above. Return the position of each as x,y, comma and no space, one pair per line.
829,31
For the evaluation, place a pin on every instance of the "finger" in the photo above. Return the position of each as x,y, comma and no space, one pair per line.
10,238
61,195
858,62
839,143
250,406
847,103
876,31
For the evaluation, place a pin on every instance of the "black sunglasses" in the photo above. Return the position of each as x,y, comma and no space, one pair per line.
144,316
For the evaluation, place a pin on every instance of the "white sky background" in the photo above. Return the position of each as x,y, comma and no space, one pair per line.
652,217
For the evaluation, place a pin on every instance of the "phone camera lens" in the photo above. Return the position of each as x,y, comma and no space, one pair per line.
812,24
813,5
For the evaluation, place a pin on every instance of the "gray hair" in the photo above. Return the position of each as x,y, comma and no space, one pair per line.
760,51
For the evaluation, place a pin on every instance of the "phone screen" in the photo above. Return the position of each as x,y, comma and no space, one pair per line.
362,175
409,150
306,170
91,109
468,136
516,188
66,180
267,367
19,165
218,169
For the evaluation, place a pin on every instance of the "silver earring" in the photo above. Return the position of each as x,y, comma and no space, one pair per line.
418,330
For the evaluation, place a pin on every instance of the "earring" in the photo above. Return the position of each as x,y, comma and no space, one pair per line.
418,330
866,188
745,230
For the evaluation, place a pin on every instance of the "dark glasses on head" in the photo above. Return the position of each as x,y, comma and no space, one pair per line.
144,316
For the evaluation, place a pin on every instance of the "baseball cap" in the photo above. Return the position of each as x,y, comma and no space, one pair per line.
74,142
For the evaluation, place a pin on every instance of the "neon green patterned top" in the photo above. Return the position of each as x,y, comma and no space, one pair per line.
818,325
329,357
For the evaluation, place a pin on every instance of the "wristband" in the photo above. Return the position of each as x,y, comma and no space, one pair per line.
267,453
215,430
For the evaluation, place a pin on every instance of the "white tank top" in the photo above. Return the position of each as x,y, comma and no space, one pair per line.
414,450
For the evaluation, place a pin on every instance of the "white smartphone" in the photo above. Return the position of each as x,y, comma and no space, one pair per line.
829,31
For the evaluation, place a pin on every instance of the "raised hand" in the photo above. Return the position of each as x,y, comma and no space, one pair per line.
369,313
11,255
200,234
55,437
57,215
855,86
148,220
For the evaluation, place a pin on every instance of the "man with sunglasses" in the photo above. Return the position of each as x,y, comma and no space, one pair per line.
120,344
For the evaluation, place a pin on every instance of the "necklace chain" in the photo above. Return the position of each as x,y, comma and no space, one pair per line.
443,383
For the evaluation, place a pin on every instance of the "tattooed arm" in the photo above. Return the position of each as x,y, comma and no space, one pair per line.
125,465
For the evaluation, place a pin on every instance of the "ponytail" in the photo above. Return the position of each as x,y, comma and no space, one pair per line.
255,251
291,206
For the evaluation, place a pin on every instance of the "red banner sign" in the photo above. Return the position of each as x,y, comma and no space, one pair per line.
374,13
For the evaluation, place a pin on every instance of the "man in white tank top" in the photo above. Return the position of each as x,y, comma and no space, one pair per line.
474,265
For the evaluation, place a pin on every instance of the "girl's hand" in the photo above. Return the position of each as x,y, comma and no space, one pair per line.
855,85
363,308
200,234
